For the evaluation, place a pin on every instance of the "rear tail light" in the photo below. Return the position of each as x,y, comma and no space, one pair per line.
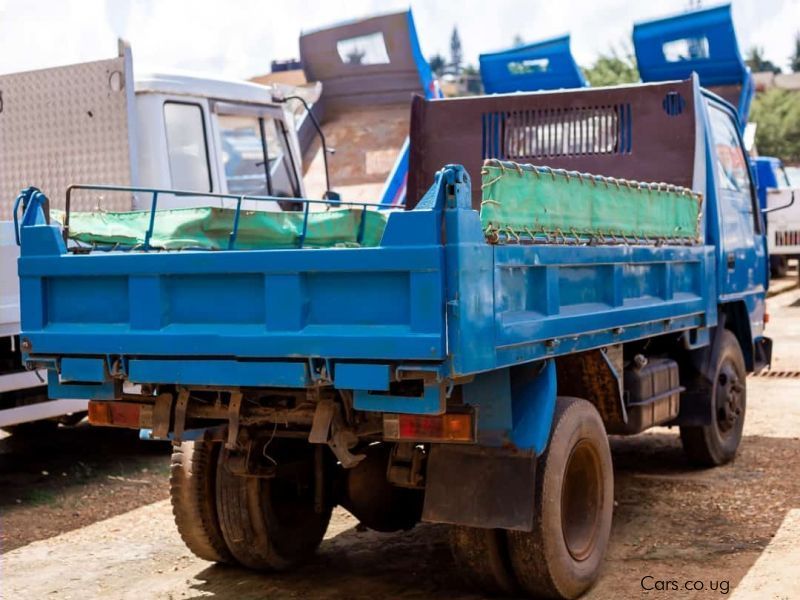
453,427
120,414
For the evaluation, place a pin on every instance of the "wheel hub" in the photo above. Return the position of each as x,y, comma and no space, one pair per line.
581,500
728,397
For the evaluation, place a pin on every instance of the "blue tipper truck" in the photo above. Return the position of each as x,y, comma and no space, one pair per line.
449,373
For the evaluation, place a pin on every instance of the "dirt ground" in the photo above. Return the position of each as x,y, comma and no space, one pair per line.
671,522
73,477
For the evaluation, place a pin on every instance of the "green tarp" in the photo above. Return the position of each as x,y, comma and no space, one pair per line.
210,228
526,201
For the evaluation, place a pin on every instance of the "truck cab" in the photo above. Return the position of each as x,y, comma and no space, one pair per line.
777,195
98,122
210,135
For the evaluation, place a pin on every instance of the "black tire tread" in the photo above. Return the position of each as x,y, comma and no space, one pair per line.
192,493
530,559
699,443
481,555
253,533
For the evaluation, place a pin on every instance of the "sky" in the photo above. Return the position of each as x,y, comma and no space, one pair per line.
239,38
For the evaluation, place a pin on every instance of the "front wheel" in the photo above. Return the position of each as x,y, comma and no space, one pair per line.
717,443
574,498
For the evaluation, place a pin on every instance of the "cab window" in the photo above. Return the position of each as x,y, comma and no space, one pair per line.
187,147
243,147
733,171
731,162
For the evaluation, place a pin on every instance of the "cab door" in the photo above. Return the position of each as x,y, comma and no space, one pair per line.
742,261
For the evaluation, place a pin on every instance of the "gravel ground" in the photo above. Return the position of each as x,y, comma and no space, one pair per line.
671,522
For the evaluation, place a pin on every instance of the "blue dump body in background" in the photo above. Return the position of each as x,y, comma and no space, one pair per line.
702,42
545,65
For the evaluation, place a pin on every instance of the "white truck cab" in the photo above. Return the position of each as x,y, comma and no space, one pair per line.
212,135
95,123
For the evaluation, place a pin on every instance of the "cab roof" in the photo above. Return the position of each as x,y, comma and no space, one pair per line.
192,84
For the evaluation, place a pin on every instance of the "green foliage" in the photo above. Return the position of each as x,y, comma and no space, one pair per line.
437,64
456,52
794,59
777,113
612,68
757,63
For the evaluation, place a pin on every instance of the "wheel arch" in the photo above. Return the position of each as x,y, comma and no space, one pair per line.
734,317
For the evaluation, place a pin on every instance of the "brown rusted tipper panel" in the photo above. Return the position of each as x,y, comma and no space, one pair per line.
393,79
644,132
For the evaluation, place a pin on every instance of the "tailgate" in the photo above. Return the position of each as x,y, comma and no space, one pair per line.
384,302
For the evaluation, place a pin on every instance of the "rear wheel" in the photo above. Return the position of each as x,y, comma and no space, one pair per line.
717,443
482,556
271,523
192,490
574,497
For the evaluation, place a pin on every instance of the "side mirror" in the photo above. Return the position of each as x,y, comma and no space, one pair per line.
334,197
764,211
279,97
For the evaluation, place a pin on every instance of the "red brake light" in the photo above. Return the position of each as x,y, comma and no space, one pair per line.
453,427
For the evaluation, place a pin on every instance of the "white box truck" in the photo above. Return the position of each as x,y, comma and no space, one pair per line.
95,123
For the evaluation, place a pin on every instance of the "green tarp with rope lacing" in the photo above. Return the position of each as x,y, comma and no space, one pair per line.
523,201
210,228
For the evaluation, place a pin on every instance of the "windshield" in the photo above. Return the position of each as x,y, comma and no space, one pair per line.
243,153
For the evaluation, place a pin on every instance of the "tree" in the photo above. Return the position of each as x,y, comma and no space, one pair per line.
437,64
794,59
612,68
777,113
456,53
758,64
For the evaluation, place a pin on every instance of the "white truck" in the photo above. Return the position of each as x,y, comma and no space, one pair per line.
94,123
777,194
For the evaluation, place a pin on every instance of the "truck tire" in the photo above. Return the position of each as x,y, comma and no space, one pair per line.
192,491
717,443
574,498
778,266
268,524
481,555
376,503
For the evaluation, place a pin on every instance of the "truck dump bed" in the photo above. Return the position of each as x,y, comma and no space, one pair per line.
369,70
434,295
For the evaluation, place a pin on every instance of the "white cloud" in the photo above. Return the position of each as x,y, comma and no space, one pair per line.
238,38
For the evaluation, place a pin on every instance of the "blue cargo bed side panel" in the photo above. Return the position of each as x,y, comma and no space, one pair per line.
385,302
548,301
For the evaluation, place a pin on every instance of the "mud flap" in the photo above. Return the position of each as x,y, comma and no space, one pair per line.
479,486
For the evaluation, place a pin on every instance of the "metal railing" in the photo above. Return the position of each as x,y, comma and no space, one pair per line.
239,198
